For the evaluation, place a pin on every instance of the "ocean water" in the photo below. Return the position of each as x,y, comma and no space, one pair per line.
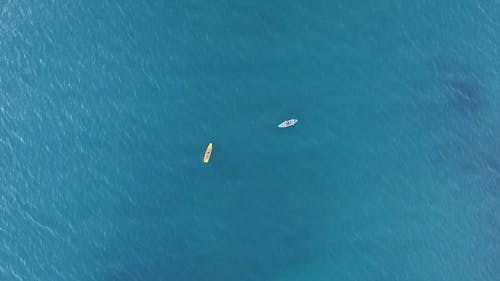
392,172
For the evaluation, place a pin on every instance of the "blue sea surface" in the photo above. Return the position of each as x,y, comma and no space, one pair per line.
392,173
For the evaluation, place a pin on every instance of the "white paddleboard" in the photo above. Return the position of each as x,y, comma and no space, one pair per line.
288,123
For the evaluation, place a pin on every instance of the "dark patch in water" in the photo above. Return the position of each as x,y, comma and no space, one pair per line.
464,95
463,86
446,92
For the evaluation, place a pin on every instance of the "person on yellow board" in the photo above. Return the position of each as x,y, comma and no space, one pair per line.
208,152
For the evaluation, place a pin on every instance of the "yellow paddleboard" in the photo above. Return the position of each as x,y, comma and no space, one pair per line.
208,152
